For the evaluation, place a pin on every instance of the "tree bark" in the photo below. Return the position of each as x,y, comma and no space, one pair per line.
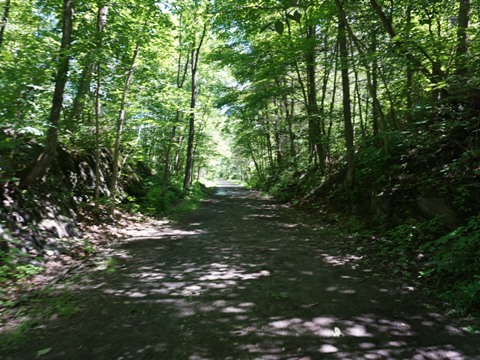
288,120
78,101
314,130
181,76
119,130
49,152
379,122
187,181
3,25
347,116
462,38
387,24
101,20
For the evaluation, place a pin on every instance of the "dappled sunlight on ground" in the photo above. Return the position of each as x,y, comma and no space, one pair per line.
239,279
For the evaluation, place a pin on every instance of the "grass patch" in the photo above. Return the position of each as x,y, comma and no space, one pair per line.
36,308
190,202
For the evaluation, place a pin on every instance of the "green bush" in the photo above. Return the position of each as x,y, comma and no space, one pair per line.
454,260
403,243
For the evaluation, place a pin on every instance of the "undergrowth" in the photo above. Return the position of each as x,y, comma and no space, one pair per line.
438,246
38,307
453,259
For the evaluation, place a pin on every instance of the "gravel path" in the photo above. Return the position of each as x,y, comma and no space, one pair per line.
244,277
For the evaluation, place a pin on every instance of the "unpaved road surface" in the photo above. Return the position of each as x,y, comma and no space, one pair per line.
244,277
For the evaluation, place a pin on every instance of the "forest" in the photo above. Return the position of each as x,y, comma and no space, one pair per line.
365,113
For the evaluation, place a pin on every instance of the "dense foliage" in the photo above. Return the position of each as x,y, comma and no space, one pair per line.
366,108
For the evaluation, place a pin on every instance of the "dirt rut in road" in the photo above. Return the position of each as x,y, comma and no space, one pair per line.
244,277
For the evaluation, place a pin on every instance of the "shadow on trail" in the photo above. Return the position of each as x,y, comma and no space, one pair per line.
245,278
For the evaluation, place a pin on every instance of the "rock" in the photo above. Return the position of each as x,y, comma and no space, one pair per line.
432,206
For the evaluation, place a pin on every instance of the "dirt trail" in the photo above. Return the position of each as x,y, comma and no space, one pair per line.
244,278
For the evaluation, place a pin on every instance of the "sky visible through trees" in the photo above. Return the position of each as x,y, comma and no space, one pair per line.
301,83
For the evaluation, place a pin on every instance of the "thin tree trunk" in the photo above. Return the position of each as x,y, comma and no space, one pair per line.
358,101
409,73
387,24
347,117
101,20
119,130
268,139
257,167
187,181
332,105
314,130
277,135
295,63
98,112
328,63
462,44
49,152
181,76
379,123
178,156
462,38
78,101
166,164
3,25
289,120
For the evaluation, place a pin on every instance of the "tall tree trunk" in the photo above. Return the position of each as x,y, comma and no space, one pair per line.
347,116
255,162
119,130
314,130
166,163
461,61
332,106
402,48
49,152
101,20
288,120
291,135
3,24
376,108
297,68
379,122
98,114
462,38
277,135
409,73
268,139
79,99
187,181
181,76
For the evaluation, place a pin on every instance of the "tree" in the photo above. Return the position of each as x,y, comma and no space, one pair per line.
50,149
347,115
101,21
195,53
3,24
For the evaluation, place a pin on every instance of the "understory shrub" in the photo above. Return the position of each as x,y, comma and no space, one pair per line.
454,263
402,243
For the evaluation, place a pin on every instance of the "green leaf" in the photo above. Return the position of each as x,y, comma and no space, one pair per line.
265,27
297,16
279,27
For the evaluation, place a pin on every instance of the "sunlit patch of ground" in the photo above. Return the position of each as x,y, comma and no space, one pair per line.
243,278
